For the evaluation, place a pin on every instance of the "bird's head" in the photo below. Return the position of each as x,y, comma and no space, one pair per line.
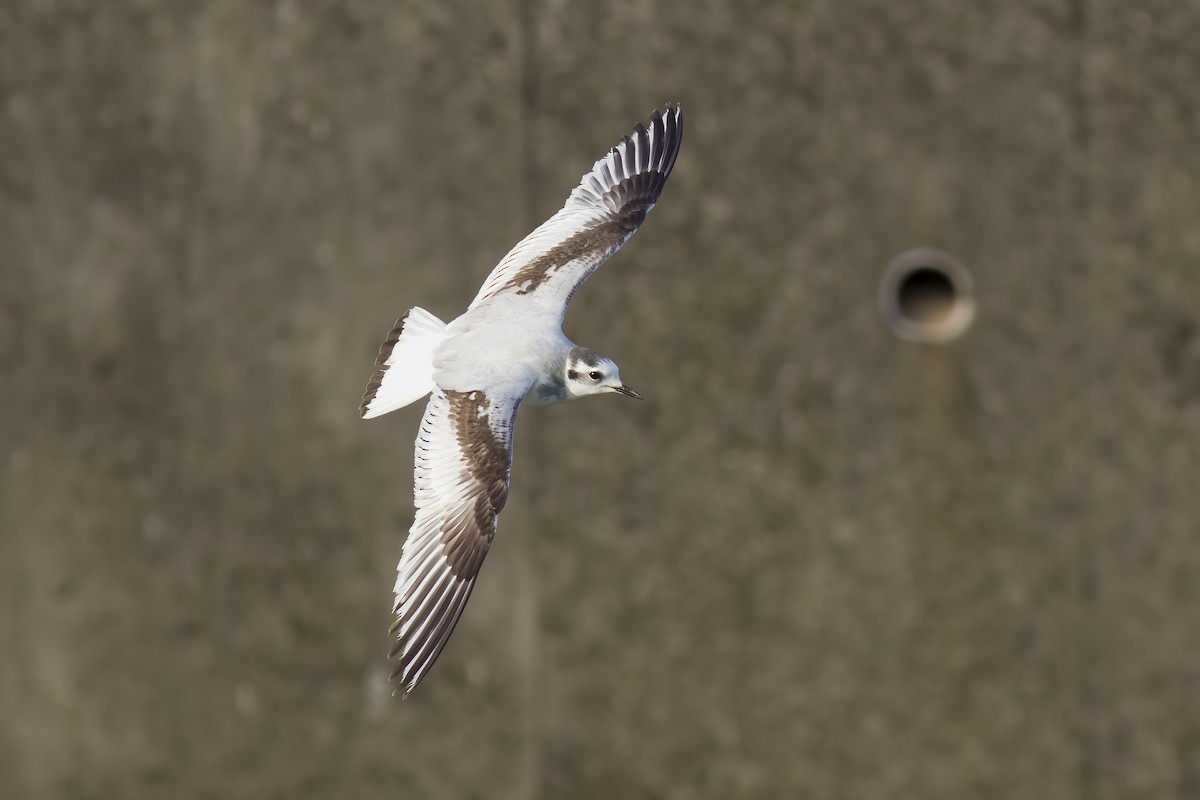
589,372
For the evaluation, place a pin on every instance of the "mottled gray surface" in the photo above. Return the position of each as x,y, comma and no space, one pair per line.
818,562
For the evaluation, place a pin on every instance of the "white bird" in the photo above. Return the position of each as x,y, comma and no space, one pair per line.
506,347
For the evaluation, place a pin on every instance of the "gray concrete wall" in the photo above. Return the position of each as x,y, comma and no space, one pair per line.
818,562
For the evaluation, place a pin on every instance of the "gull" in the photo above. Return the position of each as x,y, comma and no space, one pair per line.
507,347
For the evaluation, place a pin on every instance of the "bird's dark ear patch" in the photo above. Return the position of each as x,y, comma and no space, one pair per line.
572,374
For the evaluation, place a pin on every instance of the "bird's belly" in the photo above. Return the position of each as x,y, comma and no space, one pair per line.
481,356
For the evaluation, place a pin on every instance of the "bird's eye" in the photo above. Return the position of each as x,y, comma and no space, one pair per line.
595,375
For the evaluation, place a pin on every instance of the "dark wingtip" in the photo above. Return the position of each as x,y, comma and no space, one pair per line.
672,118
670,110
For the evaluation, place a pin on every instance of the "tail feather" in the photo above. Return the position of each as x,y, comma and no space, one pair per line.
404,366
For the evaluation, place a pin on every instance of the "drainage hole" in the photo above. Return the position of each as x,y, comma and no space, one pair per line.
927,296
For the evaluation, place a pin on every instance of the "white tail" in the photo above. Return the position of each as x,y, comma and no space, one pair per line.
404,367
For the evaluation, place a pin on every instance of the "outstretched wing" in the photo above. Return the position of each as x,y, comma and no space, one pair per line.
463,456
607,207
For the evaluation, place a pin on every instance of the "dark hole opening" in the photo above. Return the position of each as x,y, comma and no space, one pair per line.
926,296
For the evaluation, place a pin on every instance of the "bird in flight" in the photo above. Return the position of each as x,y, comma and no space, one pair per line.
507,347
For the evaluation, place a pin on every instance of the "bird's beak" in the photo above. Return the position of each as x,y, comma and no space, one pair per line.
625,390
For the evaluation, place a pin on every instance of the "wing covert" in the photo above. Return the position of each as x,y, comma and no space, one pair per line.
602,212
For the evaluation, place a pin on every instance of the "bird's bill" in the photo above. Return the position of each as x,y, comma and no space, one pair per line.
625,390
